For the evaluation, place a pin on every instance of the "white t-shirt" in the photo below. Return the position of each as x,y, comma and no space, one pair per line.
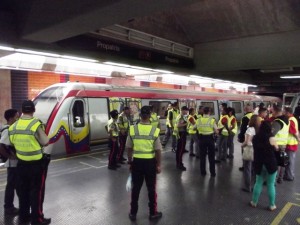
251,132
5,140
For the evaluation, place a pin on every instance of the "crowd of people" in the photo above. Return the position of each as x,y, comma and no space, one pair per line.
264,134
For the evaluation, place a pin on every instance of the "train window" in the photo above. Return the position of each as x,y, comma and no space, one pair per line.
237,106
116,103
78,113
210,105
160,107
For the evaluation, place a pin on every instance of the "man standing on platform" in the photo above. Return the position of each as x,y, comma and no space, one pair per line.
207,126
28,137
113,131
123,123
11,116
144,156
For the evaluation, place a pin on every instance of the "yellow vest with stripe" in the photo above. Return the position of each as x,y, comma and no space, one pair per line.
154,119
205,125
123,122
291,139
225,131
282,135
234,130
190,126
220,125
143,137
175,114
112,125
22,136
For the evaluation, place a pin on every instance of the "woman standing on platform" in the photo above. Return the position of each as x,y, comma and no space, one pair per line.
265,164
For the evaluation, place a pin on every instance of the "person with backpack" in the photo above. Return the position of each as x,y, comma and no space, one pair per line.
8,153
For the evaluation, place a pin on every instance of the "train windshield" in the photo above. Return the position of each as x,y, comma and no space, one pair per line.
46,101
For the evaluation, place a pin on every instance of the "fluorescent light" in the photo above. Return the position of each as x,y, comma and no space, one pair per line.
37,52
296,76
79,58
6,48
163,71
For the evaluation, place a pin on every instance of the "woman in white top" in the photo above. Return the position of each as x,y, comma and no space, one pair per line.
253,126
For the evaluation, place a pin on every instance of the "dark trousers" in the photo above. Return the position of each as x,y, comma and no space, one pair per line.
122,142
207,147
11,186
114,148
31,184
143,169
181,142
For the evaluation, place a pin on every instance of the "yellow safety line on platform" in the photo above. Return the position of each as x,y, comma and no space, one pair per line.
283,212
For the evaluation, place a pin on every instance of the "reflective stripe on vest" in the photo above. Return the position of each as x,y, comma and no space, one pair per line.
154,120
291,138
220,125
22,136
175,114
143,137
123,122
190,126
282,135
205,125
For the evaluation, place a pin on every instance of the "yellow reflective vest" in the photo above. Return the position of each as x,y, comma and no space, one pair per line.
22,136
190,127
234,130
205,125
113,127
123,122
282,135
154,119
175,113
291,139
143,137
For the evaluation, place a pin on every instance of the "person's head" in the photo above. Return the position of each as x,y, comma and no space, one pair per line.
224,105
126,110
248,107
114,114
265,128
206,110
145,112
254,122
200,109
276,111
175,105
230,111
28,107
191,111
11,116
170,106
263,112
184,110
261,105
287,111
151,107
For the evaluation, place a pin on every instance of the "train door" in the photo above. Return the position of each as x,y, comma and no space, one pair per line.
213,105
79,126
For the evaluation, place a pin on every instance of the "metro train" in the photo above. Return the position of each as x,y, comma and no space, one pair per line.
75,114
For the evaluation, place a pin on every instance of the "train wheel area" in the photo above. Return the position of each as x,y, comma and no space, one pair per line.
81,190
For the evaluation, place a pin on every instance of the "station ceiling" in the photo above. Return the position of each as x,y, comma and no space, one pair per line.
249,41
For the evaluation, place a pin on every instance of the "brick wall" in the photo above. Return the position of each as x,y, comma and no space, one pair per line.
5,94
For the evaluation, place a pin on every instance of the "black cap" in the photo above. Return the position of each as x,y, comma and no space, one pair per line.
184,108
28,106
114,113
145,110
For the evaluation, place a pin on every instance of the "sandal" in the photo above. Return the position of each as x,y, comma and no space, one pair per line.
252,204
272,208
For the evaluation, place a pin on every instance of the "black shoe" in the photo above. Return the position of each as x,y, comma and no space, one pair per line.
181,167
132,217
192,154
117,166
11,211
217,161
185,151
111,167
25,219
213,175
155,216
203,174
44,222
246,190
279,181
230,157
288,179
241,168
173,150
123,159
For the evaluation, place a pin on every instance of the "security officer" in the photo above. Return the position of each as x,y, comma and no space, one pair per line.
192,131
28,137
180,133
206,127
154,119
144,155
123,124
171,119
113,131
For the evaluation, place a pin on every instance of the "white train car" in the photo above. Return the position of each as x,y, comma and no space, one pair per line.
75,114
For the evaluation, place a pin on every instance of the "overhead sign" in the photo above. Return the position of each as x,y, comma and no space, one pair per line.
111,47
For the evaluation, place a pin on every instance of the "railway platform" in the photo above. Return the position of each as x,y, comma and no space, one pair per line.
81,190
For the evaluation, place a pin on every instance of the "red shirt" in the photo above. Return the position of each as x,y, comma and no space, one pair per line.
292,130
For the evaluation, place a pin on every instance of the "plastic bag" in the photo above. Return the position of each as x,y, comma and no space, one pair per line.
129,183
248,153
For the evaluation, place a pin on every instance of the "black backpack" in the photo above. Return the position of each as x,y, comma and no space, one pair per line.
3,158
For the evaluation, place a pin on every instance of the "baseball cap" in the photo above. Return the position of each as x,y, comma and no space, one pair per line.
28,106
146,110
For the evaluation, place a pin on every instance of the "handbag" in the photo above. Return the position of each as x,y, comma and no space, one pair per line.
248,153
282,158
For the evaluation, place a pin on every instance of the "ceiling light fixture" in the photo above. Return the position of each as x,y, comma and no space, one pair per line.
295,76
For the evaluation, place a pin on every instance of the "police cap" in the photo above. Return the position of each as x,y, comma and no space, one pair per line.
28,106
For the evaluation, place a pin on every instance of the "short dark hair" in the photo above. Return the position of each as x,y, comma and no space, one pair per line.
28,106
10,113
126,108
191,110
288,110
206,110
260,110
114,113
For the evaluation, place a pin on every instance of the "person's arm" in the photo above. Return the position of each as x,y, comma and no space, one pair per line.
42,137
276,126
274,143
170,116
248,140
158,147
129,149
